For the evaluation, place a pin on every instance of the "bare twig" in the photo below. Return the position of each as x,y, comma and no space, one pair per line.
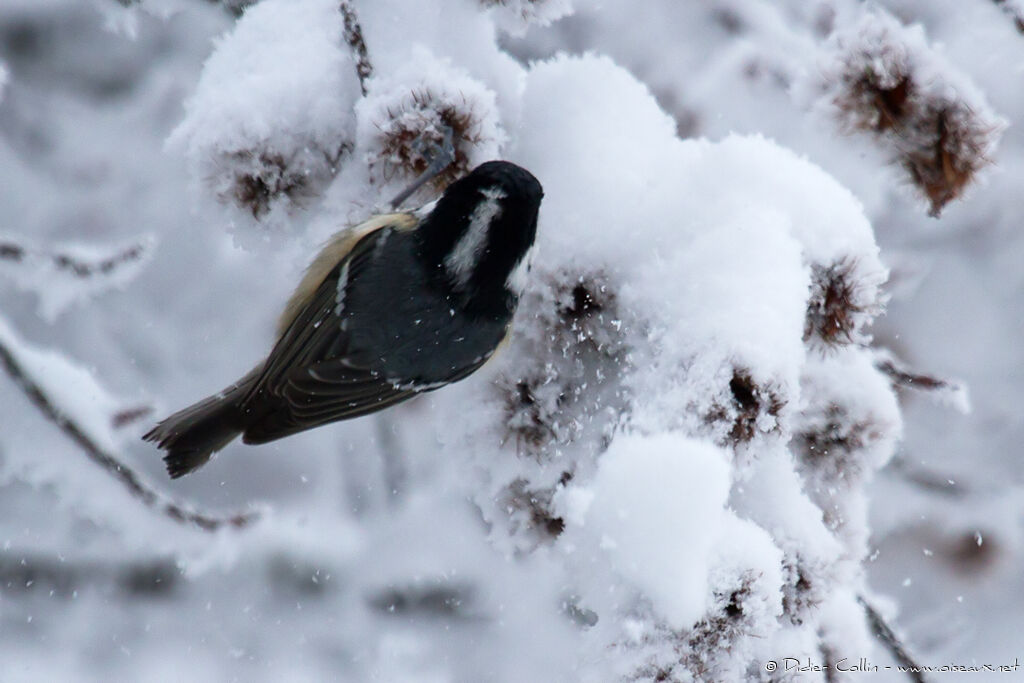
909,380
77,266
123,418
828,656
947,391
355,40
885,635
121,472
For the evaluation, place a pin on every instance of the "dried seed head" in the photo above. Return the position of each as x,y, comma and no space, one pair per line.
832,444
838,306
417,126
257,180
752,409
579,345
696,652
951,147
406,116
886,80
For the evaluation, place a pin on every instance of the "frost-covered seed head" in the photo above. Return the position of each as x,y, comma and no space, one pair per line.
888,81
531,510
256,180
417,126
582,322
872,98
749,403
832,446
697,651
837,308
950,148
254,190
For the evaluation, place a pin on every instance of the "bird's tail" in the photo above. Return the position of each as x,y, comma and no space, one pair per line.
190,436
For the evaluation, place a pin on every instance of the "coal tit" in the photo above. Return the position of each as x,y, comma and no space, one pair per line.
402,304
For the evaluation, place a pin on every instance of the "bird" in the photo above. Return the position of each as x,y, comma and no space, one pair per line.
401,304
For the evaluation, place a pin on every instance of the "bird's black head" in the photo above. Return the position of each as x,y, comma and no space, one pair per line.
479,232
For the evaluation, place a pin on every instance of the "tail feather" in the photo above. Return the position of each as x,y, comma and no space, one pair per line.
192,435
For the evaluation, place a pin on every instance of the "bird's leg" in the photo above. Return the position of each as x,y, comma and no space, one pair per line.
443,155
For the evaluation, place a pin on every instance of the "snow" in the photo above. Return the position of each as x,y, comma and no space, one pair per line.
687,461
655,508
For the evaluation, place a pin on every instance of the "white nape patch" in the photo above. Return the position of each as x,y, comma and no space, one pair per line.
519,277
464,256
339,294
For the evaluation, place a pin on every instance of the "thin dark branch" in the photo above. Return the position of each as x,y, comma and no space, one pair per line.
121,472
946,391
123,418
885,635
828,657
355,40
79,267
902,377
104,266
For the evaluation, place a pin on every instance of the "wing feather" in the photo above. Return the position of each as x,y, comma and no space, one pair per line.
310,378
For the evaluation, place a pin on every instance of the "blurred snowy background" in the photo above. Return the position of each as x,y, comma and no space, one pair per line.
690,462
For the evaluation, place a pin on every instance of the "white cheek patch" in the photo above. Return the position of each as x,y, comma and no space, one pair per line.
519,277
466,254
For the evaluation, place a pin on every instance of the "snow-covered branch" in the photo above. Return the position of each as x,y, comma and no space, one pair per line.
356,41
18,362
70,273
892,642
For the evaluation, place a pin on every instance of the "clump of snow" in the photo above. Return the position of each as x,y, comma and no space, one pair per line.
665,327
655,507
271,119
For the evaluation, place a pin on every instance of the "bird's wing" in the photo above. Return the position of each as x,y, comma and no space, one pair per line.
314,375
